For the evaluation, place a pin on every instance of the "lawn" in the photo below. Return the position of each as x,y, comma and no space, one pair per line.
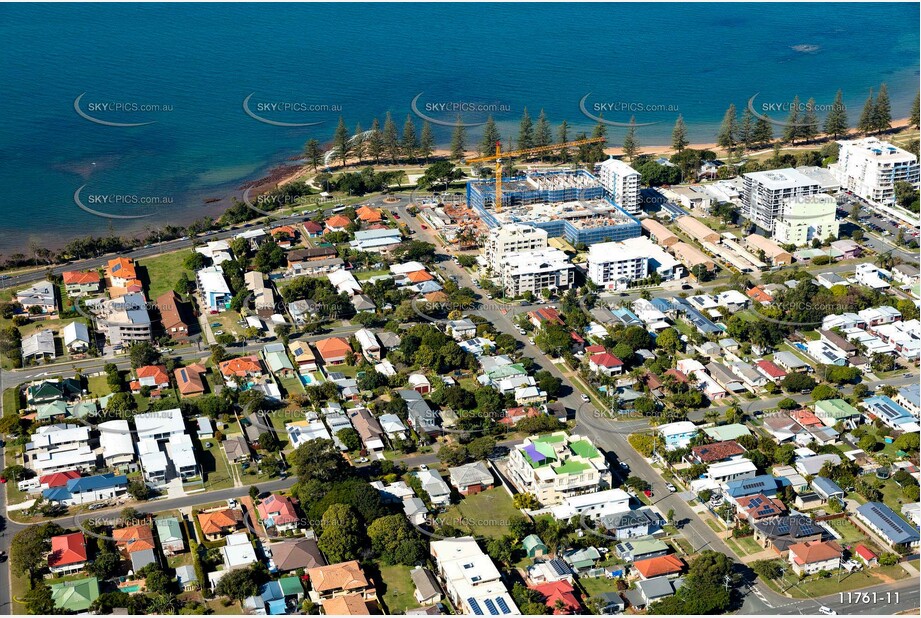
367,274
398,589
850,534
818,587
485,514
163,272
98,386
743,546
12,401
595,586
291,385
214,467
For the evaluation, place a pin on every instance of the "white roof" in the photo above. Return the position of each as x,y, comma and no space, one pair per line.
417,379
76,331
782,179
680,427
159,422
600,497
238,552
300,432
730,468
391,423
407,267
55,435
212,281
366,339
115,439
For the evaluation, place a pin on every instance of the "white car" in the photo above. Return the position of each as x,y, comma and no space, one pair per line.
531,340
585,397
671,487
827,611
423,467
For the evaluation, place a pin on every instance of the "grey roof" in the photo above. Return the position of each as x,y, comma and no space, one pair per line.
41,342
656,588
140,559
789,359
893,527
629,519
185,574
826,487
425,582
470,474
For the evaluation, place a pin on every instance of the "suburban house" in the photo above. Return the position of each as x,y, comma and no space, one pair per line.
888,524
471,478
715,452
438,491
88,489
340,579
169,531
814,556
277,511
303,355
42,296
151,376
427,592
369,430
122,277
189,380
76,337
780,533
39,345
605,363
175,316
164,448
243,367
236,448
276,359
75,596
333,350
668,566
370,347
81,282
68,554
133,539
677,435
218,523
294,554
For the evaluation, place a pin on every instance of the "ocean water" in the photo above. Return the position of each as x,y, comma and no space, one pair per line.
198,62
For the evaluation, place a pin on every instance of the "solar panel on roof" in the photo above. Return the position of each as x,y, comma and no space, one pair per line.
503,606
491,607
475,606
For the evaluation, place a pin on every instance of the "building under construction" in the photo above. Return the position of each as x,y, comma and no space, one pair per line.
567,203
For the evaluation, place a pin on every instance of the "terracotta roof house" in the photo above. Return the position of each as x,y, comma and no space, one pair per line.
560,591
759,294
293,554
814,556
245,366
68,553
312,228
132,539
79,282
419,276
544,314
436,297
123,278
175,316
759,506
217,524
58,479
338,223
369,215
278,512
718,451
346,605
594,349
333,350
669,565
680,377
189,380
154,376
342,578
605,363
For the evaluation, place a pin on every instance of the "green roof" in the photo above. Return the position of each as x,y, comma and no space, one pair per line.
168,529
291,585
835,408
727,432
645,546
76,595
551,438
572,467
50,410
278,360
531,541
584,448
507,371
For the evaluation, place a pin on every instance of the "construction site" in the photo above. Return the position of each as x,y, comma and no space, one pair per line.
566,203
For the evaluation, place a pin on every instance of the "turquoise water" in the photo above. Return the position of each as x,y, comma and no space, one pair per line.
198,62
307,379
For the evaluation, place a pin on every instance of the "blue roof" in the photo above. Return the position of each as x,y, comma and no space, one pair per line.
57,494
100,481
696,318
912,393
762,484
888,410
893,527
277,607
827,486
663,304
626,316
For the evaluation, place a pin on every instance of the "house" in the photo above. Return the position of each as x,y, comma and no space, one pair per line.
333,350
651,590
605,363
761,484
88,489
790,362
76,337
471,580
68,554
277,511
142,558
186,578
213,289
560,597
42,296
415,510
392,426
379,240
218,523
176,317
133,538
641,549
338,223
556,466
593,505
76,595
236,449
471,478
169,531
347,605
461,329
295,554
81,282
668,566
312,229
534,547
369,430
164,448
340,579
39,345
827,489
304,357
631,524
756,507
59,447
784,531
912,511
276,359
715,452
813,556
438,491
732,470
770,371
420,416
362,303
887,524
888,411
427,592
189,380
812,465
242,367
238,553
677,435
612,602
419,383
151,376
370,348
865,554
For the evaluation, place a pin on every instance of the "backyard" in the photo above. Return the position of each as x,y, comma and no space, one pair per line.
485,514
398,589
163,272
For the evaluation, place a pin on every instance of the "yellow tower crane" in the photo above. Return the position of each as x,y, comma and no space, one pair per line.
525,152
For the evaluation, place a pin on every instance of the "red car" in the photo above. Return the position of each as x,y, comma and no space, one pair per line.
424,227
396,216
648,493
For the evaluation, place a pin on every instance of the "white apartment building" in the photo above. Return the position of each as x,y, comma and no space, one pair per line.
612,265
510,239
471,579
125,320
556,466
164,447
213,289
117,443
534,271
622,183
55,448
870,168
805,217
764,193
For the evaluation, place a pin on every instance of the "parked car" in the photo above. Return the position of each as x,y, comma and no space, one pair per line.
827,611
671,487
585,397
623,465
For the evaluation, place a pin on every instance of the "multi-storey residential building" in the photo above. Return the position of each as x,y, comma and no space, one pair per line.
806,217
164,447
80,282
613,265
125,320
556,466
764,193
870,168
54,448
470,578
534,271
212,287
510,239
622,183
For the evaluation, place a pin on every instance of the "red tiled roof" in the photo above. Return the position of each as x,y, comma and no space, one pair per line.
864,552
157,372
594,349
67,549
77,277
677,375
760,294
189,379
806,418
240,366
312,227
333,347
418,276
216,522
134,538
661,565
370,215
606,359
546,314
717,451
278,508
559,591
771,369
760,506
337,221
58,479
814,551
577,337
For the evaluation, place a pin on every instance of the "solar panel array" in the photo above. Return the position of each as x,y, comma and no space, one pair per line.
475,606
